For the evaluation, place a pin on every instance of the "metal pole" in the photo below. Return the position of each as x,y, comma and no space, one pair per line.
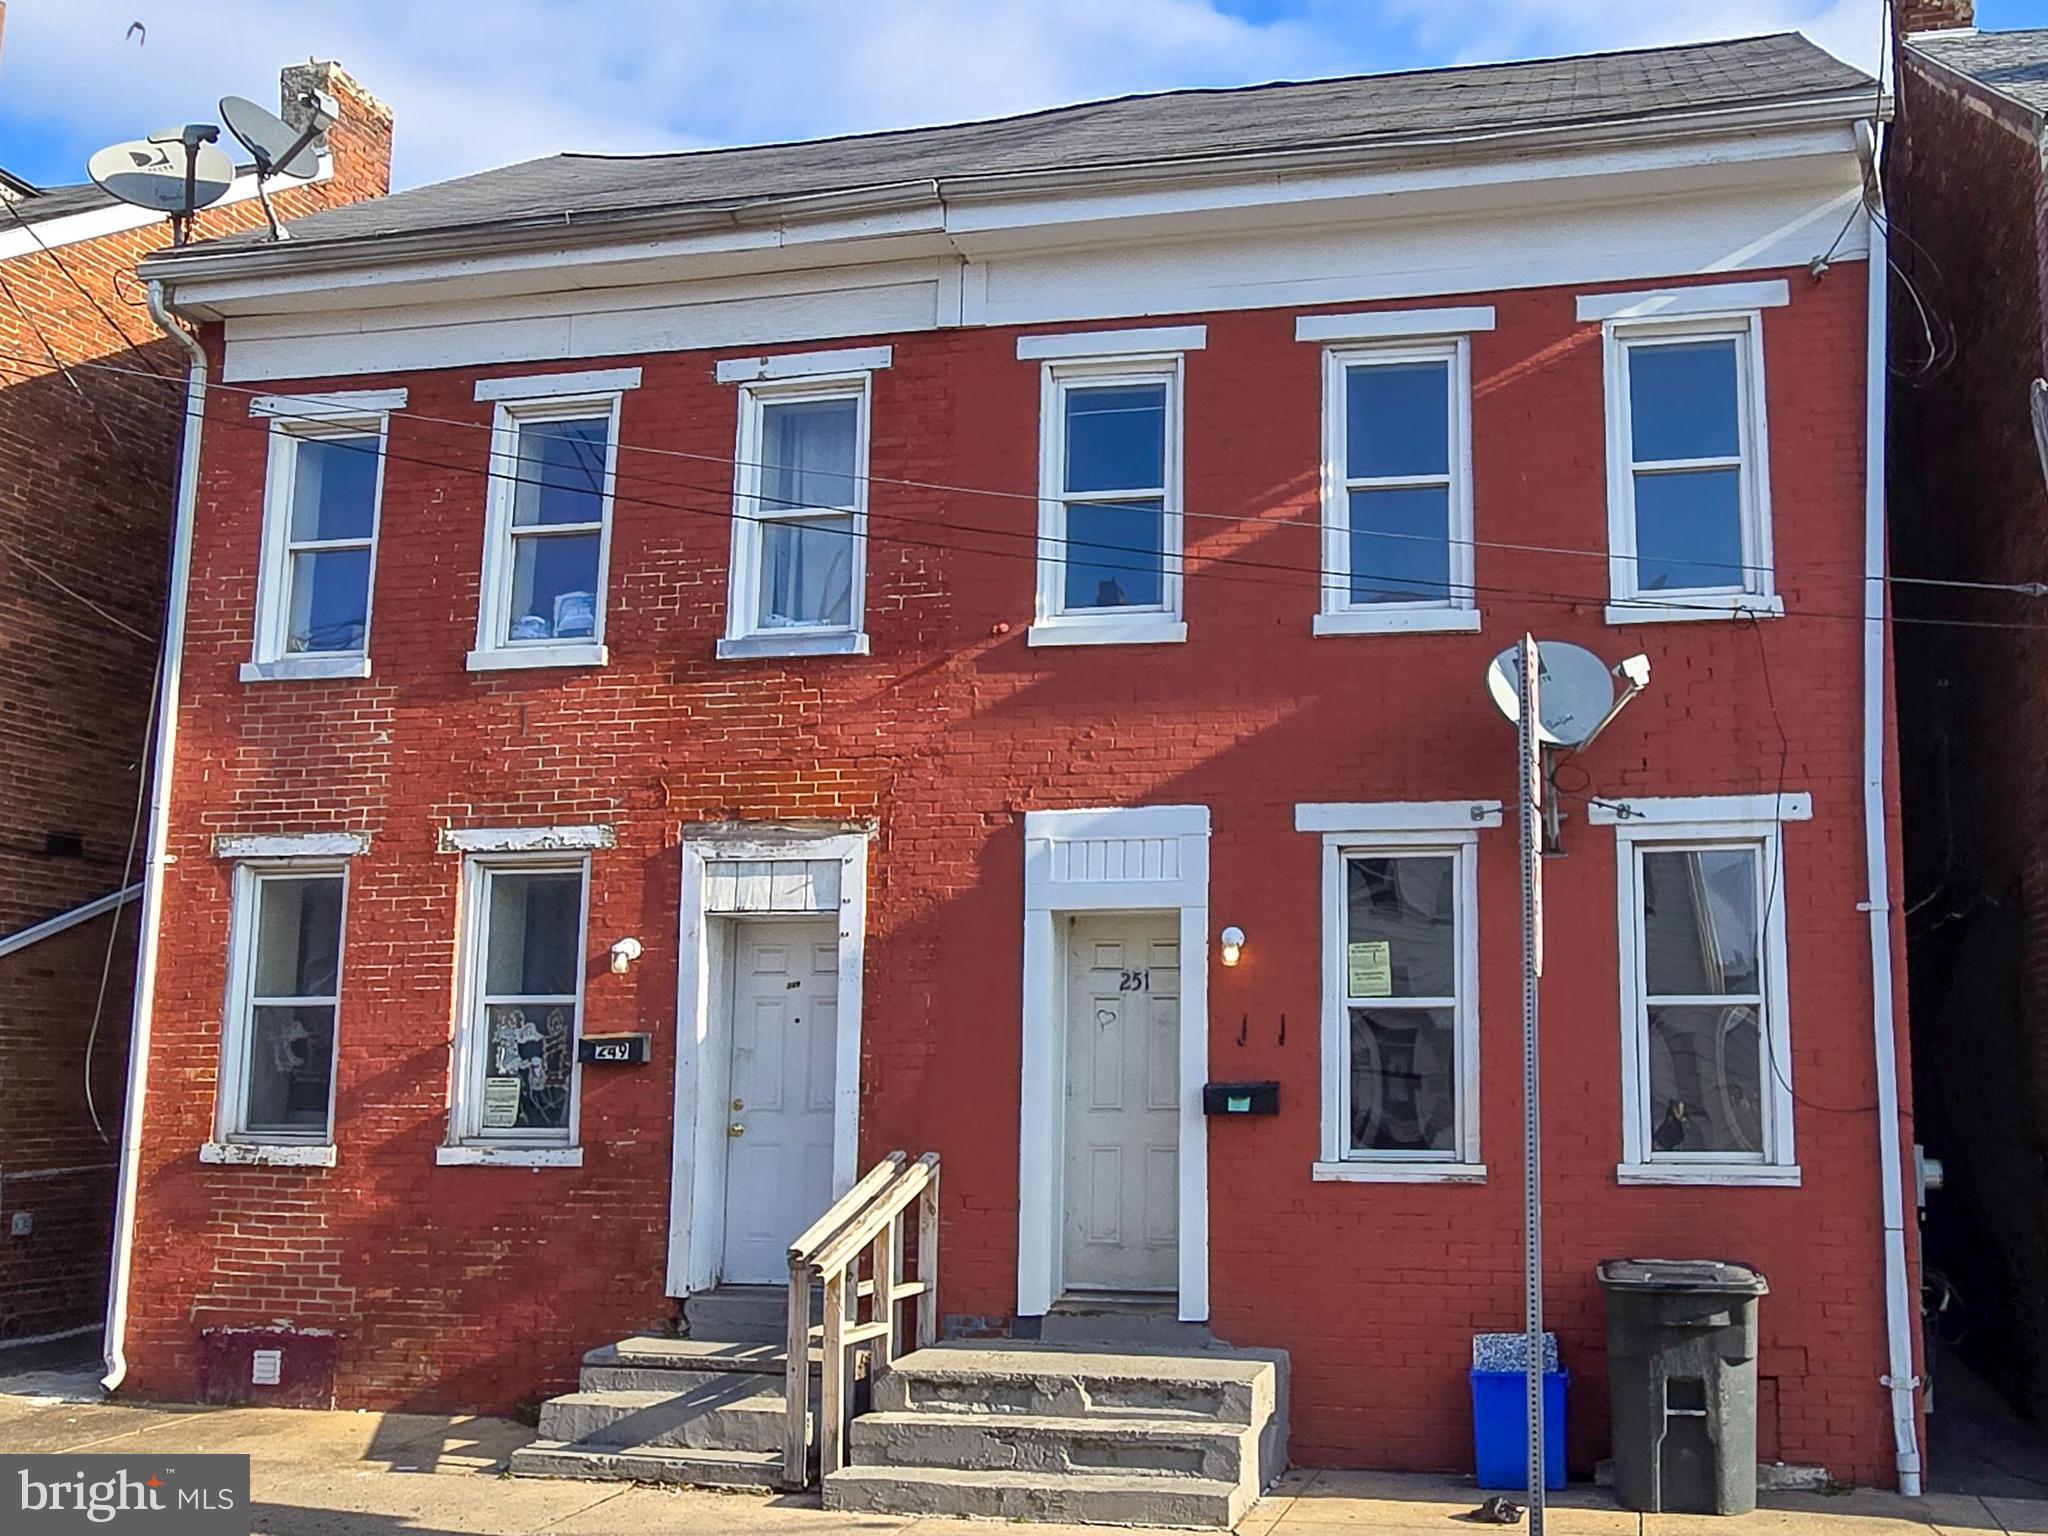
1531,789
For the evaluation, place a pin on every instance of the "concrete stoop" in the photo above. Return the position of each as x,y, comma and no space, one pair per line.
707,1410
1185,1438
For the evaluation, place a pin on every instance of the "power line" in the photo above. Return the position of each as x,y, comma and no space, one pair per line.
1232,565
1034,499
71,277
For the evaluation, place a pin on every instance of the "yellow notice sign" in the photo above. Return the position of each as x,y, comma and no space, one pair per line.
1370,969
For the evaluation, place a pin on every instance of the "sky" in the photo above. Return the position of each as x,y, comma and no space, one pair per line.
478,83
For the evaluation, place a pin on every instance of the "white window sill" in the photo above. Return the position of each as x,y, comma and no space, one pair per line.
1110,629
275,1154
1748,1175
791,643
1398,1173
1366,621
509,1157
1683,607
513,658
288,669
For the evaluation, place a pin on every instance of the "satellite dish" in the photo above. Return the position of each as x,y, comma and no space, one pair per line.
278,148
177,176
1575,699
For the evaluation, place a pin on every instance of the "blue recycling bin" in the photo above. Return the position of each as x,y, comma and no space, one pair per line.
1500,1427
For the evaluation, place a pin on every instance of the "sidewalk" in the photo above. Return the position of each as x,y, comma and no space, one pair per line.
367,1474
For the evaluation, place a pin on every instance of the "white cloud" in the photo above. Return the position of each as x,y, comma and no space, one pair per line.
475,85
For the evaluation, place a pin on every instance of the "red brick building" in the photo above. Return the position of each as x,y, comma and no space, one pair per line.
1964,172
89,427
930,585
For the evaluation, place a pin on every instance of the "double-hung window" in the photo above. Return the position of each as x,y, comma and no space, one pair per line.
523,965
1400,1037
554,472
323,490
284,1002
1707,1075
800,520
1109,535
1397,488
1689,504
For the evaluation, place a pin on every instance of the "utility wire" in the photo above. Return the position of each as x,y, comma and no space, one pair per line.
1220,566
1648,602
72,277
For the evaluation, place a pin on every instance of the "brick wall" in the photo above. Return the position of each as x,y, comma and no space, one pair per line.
85,506
1964,174
480,1287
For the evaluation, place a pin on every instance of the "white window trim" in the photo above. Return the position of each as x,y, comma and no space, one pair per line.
290,845
1693,821
508,1157
805,365
1338,615
466,1135
1694,299
1146,341
1757,594
1428,827
1165,624
1384,324
344,403
270,1154
580,839
271,662
495,652
542,387
231,1107
744,637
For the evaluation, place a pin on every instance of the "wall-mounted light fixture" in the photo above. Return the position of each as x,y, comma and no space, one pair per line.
1232,939
624,953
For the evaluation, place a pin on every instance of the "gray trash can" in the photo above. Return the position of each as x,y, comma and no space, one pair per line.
1681,1381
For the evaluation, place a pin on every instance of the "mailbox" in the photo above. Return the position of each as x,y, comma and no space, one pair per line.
614,1050
1240,1098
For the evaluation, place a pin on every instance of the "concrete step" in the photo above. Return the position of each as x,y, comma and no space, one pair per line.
1235,1388
745,1313
1075,1499
735,1415
697,1468
971,1442
1131,1322
650,1364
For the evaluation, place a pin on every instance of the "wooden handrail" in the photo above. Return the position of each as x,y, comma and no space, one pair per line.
866,1222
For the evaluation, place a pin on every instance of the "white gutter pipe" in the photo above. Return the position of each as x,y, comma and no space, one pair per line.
1899,1302
114,1343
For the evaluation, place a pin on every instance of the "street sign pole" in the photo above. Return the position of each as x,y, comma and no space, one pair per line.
1530,794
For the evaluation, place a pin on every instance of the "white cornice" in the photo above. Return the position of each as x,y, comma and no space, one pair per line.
971,214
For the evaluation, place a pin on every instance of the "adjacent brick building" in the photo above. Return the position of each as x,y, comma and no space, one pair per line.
89,392
1964,179
889,583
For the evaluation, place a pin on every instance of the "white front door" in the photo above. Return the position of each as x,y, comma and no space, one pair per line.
1122,1114
785,1026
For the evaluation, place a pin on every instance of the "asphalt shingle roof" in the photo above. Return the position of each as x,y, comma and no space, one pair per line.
2014,64
1359,110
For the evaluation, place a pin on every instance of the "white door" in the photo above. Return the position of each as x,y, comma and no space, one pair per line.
778,1160
1123,1093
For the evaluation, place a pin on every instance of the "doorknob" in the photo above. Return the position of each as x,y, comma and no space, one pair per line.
735,1129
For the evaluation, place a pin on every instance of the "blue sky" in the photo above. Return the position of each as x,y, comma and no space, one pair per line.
471,89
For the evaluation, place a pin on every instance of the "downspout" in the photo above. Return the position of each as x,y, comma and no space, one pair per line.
170,664
1899,1302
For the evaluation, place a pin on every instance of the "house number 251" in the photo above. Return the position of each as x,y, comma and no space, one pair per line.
1136,981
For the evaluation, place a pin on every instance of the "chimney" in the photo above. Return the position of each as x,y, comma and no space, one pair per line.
360,142
1915,16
